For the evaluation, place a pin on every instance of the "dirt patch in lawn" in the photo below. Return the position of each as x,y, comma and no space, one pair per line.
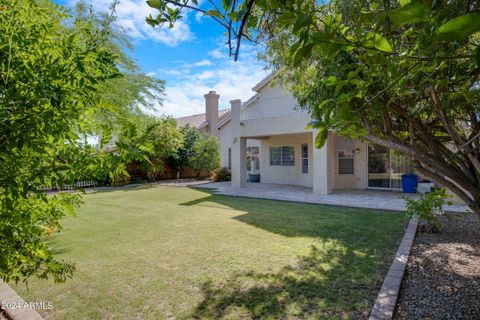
442,279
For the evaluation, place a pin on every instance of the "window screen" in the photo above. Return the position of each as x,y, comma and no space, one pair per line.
282,156
275,156
288,156
345,162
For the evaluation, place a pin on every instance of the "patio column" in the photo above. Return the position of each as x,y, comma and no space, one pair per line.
239,146
322,173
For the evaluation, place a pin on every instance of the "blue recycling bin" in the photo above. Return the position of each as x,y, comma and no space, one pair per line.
409,183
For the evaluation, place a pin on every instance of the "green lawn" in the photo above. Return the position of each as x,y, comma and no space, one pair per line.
175,252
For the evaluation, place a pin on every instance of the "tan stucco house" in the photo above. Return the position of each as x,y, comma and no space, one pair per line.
266,135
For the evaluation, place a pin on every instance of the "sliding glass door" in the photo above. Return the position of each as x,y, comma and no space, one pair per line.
385,167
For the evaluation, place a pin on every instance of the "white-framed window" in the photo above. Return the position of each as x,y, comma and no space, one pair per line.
304,158
346,161
282,156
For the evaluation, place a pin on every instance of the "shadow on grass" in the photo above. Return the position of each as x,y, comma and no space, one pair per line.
296,219
328,283
339,278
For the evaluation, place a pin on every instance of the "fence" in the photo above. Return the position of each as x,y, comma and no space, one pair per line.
77,185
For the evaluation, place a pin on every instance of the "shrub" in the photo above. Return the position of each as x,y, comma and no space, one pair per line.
428,208
221,174
120,179
206,155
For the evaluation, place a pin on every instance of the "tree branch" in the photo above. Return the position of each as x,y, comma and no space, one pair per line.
474,206
242,26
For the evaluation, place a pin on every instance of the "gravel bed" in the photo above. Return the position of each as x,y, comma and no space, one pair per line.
442,279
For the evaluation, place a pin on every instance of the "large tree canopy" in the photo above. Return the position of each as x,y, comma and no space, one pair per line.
122,100
49,78
402,74
55,69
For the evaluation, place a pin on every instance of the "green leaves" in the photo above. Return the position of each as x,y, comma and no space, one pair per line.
213,13
460,28
156,4
411,12
321,137
54,70
301,22
477,56
286,18
330,81
377,41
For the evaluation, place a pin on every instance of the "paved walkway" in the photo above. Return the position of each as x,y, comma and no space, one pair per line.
371,199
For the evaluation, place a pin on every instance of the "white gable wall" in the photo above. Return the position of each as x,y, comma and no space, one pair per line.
272,102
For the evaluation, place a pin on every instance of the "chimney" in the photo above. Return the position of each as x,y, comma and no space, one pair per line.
211,111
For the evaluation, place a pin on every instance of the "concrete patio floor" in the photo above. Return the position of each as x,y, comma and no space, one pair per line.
371,199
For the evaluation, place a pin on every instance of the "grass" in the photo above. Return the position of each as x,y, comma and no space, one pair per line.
175,252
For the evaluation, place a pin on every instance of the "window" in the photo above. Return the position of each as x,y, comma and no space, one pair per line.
304,158
275,156
282,156
253,158
345,162
229,158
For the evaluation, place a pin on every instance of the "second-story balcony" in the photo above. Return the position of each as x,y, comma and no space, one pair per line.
265,115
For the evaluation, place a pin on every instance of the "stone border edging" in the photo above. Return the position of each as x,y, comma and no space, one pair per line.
387,298
8,296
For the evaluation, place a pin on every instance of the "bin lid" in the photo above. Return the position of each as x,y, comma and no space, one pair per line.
409,175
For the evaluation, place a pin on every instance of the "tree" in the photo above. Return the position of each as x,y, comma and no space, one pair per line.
183,157
159,141
50,74
403,75
206,157
122,100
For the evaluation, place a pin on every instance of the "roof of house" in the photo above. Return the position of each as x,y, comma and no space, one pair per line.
199,120
265,81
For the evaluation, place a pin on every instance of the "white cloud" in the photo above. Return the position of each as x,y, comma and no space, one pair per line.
205,75
202,63
231,80
131,16
217,53
199,17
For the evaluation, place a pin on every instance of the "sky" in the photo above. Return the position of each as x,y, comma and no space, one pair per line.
191,57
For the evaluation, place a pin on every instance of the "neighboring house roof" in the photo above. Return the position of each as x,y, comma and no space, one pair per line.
199,120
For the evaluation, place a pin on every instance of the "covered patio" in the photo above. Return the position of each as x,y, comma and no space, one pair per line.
371,199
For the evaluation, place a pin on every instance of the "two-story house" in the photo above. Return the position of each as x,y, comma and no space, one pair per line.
267,135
